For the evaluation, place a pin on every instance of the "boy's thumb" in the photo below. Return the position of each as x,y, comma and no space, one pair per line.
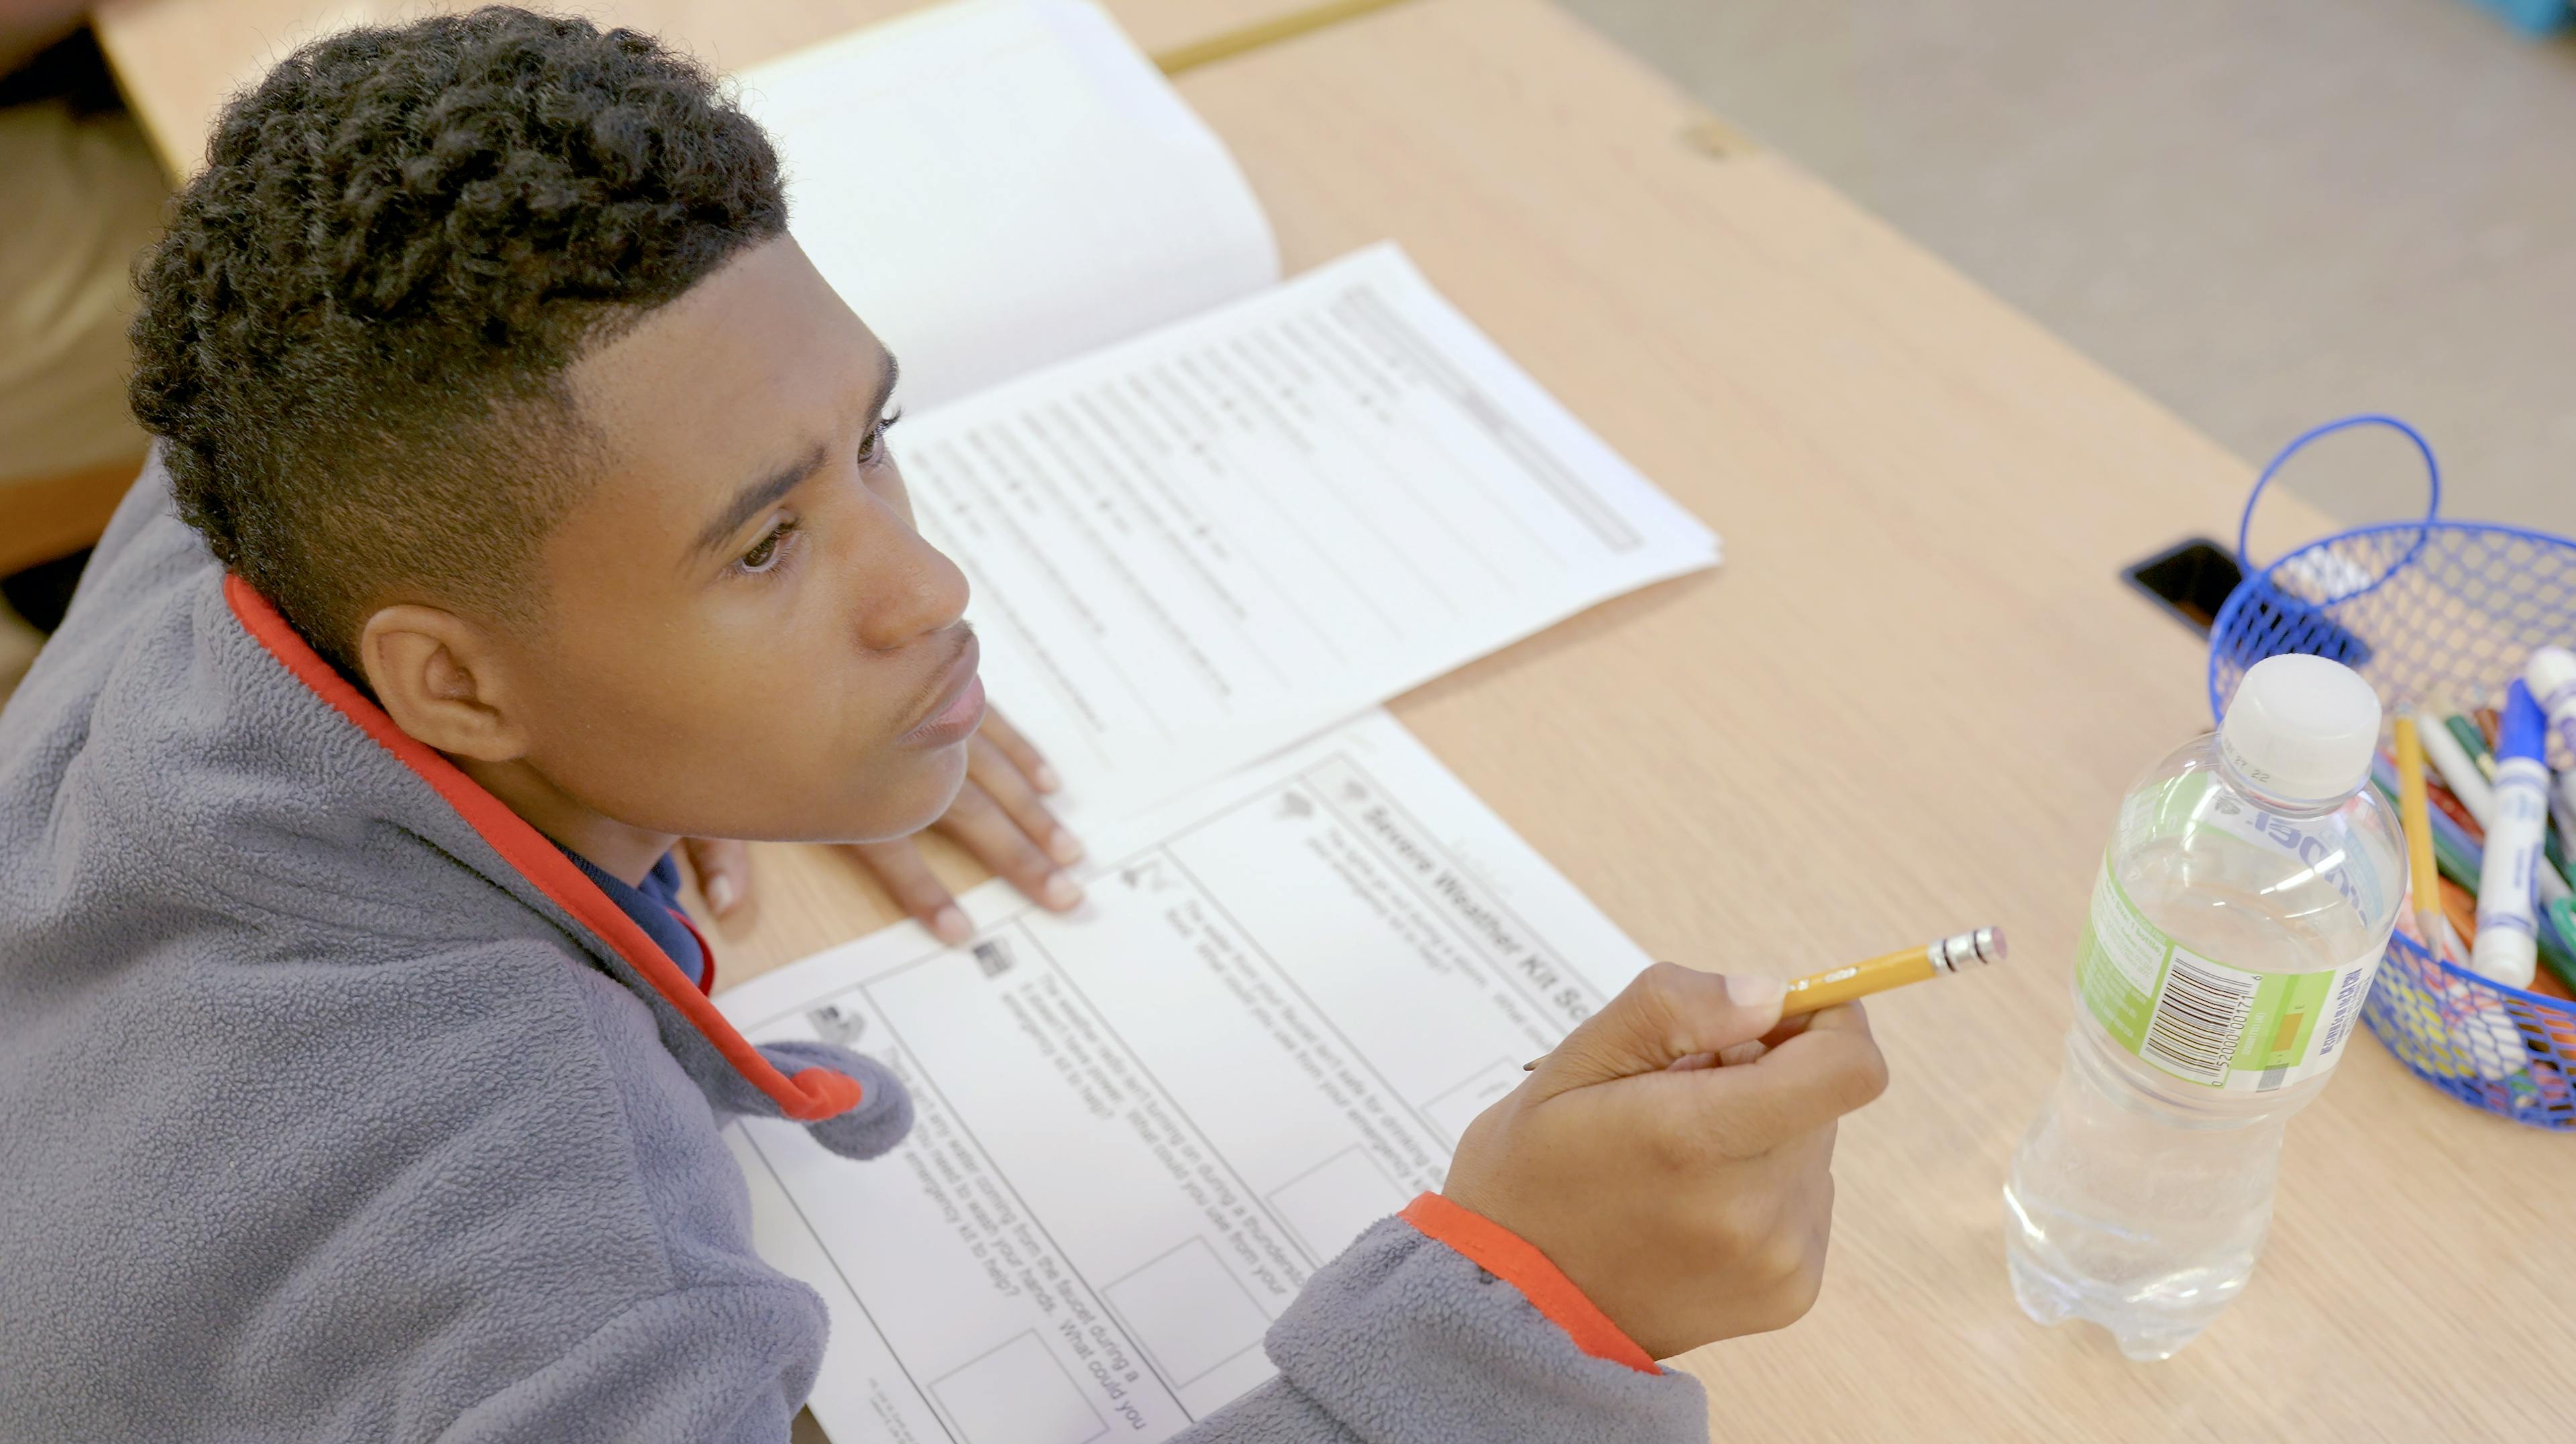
1667,1013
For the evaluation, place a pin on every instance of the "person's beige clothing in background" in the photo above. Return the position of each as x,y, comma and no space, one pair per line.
79,196
80,193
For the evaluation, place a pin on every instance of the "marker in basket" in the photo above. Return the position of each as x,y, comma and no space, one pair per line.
2473,740
2470,786
2551,675
2451,760
1818,991
2424,875
2456,855
2507,948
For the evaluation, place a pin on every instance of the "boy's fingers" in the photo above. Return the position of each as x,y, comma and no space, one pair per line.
1840,1018
1010,787
1789,1028
978,822
1023,754
1829,1069
723,869
901,867
1667,1013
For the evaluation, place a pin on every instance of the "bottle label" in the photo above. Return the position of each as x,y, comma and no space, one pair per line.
2201,1020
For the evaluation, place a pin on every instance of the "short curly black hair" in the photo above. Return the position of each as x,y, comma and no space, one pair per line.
353,337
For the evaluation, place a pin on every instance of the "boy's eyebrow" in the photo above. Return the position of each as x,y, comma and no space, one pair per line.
759,495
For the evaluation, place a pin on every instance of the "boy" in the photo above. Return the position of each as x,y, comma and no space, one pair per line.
523,506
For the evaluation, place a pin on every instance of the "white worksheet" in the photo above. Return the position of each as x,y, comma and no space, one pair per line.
996,184
1143,1126
1205,544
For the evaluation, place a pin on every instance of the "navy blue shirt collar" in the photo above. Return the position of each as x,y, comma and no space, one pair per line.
655,907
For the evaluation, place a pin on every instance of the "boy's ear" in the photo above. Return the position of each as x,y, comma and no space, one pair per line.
439,677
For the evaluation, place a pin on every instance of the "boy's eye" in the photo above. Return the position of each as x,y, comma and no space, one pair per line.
765,553
873,450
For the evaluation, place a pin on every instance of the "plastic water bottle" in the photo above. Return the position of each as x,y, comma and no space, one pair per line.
2249,890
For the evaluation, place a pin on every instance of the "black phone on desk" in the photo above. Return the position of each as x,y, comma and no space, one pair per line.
2191,581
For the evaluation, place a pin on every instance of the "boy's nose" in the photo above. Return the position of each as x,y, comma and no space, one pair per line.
917,591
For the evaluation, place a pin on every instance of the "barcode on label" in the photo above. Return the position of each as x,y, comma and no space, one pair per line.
2199,1019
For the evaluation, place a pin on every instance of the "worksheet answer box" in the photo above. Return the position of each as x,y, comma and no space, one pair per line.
1017,1394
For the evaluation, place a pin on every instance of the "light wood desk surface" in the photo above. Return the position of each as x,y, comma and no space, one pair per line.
178,60
1905,705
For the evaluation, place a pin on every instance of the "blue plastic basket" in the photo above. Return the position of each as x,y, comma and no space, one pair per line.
2422,609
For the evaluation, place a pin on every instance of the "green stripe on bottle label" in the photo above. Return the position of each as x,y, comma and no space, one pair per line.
2201,1020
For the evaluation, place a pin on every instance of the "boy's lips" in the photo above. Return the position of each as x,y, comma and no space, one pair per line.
958,710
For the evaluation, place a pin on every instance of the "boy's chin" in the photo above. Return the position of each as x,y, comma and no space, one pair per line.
909,804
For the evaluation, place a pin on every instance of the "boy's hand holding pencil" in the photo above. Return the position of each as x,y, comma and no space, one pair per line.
1687,1195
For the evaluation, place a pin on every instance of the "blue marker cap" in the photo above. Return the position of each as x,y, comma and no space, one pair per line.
2524,731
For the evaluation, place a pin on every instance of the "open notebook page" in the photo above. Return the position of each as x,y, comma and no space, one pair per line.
1208,543
997,184
1142,1127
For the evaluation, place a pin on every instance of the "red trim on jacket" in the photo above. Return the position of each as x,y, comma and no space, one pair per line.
706,954
812,1093
1513,1259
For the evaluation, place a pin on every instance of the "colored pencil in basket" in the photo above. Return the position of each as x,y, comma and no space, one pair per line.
2472,742
2423,874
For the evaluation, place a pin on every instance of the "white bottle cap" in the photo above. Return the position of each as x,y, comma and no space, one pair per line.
2301,729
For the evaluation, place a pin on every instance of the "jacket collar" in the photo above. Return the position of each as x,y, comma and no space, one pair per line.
808,1095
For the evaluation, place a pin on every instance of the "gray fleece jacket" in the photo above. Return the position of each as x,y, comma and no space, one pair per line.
336,1105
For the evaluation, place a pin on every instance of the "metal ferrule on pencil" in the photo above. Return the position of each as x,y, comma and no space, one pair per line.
1985,945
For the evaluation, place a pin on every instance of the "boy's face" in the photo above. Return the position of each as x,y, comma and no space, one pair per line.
747,637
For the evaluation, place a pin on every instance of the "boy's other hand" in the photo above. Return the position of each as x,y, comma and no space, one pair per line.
1688,1197
997,816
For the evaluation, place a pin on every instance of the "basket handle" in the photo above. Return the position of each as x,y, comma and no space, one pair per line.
2432,479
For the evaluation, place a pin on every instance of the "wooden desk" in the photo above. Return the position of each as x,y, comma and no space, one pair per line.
1906,704
177,60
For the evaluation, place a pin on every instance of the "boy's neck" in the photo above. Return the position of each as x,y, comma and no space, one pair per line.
623,852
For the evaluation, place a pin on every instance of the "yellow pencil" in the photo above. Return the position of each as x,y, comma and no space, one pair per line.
1818,991
2425,877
